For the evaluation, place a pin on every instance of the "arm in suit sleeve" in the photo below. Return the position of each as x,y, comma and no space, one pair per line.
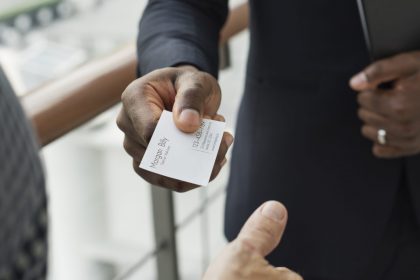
174,32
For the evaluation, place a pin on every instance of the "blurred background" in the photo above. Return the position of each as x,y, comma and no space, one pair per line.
101,220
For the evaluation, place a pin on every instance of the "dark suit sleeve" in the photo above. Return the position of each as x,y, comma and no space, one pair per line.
174,32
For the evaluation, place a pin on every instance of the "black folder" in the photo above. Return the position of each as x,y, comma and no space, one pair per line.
390,26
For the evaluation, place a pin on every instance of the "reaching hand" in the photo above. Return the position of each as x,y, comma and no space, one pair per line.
243,259
190,94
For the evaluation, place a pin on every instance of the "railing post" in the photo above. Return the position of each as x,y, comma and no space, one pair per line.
224,56
165,238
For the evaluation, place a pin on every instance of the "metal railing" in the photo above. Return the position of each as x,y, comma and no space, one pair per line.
165,250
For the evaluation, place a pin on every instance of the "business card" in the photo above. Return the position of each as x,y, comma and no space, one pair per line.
188,157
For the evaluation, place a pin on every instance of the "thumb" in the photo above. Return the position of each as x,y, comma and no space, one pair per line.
198,95
264,229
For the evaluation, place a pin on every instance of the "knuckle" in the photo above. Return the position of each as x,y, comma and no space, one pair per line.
244,245
399,108
209,80
134,91
125,93
128,99
127,146
408,130
265,233
129,90
147,131
120,122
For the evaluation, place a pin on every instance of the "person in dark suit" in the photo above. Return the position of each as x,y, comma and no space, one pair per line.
344,159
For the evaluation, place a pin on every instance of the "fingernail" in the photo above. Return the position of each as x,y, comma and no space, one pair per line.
190,116
359,80
273,210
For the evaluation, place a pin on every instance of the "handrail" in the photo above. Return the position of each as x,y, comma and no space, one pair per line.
238,21
59,107
62,105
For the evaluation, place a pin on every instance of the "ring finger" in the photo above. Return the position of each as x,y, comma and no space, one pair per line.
392,140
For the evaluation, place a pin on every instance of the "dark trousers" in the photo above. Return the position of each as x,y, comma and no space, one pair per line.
398,253
398,256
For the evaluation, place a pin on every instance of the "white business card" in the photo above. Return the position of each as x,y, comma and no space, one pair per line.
183,156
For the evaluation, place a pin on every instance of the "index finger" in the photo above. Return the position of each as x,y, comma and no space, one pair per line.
385,70
146,98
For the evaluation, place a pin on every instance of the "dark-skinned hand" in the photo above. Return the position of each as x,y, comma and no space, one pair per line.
190,94
395,109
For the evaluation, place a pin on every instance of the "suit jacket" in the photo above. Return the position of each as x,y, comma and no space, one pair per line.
23,202
298,137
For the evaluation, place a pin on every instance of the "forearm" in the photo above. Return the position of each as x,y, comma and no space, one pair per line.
175,32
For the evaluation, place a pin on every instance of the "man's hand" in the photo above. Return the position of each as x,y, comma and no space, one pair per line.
395,110
243,259
190,94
